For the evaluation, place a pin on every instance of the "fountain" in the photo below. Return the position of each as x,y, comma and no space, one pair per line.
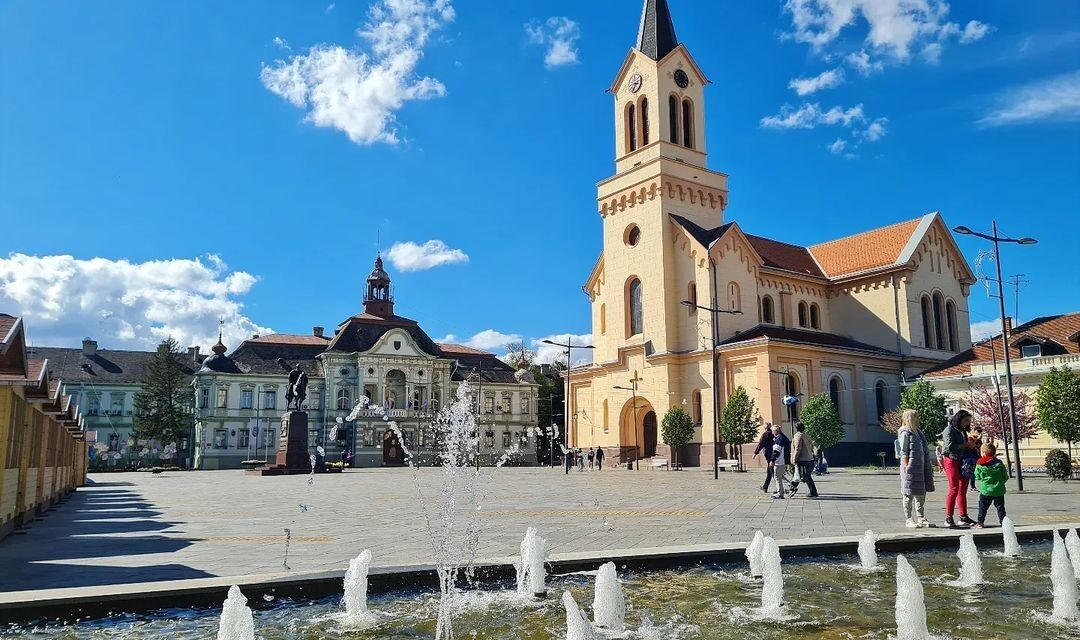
1008,533
772,592
1064,581
609,604
753,554
868,551
356,584
970,565
530,568
910,606
577,625
1072,545
237,622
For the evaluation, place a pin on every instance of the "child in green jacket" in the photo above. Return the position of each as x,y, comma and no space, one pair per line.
991,475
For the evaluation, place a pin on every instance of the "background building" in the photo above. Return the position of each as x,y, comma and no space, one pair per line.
850,317
402,374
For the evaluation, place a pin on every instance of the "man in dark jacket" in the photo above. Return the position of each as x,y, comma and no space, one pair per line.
765,446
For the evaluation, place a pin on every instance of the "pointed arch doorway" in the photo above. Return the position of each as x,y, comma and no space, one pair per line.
637,440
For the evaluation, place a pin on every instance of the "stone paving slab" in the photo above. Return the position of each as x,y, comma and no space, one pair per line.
139,528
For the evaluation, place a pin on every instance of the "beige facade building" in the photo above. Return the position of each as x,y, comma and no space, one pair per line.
851,317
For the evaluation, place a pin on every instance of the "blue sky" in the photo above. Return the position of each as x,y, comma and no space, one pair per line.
159,168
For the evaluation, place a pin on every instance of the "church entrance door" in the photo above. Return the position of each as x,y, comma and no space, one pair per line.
648,426
392,453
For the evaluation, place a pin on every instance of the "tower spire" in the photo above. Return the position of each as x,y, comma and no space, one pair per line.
656,36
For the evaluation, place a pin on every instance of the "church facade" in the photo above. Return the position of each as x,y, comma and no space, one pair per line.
687,305
376,367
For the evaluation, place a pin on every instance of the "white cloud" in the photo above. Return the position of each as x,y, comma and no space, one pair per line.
932,52
838,146
825,80
124,304
1051,99
861,62
974,31
547,353
985,329
358,92
874,131
409,256
560,35
810,115
330,8
487,340
281,43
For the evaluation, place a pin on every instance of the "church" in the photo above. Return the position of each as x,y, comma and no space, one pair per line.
687,305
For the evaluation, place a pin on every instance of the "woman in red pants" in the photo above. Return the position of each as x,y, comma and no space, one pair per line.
954,445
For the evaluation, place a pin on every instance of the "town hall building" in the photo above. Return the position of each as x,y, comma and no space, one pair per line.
851,317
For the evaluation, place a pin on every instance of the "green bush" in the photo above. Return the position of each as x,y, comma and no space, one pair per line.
1058,465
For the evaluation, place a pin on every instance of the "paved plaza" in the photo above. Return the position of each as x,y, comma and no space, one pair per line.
137,527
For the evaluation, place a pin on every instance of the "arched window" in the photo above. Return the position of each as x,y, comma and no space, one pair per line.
767,315
644,121
927,325
950,321
792,389
603,319
879,398
688,124
605,422
631,129
734,297
835,387
802,314
344,400
939,321
691,295
696,406
673,118
815,316
634,307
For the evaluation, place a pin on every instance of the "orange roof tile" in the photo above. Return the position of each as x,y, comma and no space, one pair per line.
864,251
287,338
460,348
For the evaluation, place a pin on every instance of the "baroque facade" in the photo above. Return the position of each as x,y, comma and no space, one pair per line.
850,318
376,359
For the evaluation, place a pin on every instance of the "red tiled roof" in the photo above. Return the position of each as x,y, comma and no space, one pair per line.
34,368
864,251
1059,329
462,349
781,255
6,323
287,338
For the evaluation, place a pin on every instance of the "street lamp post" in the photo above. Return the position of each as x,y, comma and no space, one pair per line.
633,391
997,240
566,400
714,312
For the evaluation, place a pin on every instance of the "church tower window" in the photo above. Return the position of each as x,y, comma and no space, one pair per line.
631,129
673,119
767,315
802,314
691,295
950,320
939,321
734,297
688,123
928,334
815,316
634,310
644,121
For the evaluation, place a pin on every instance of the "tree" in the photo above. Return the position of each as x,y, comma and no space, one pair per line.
987,412
891,421
1057,402
822,420
740,421
549,411
163,405
516,351
677,430
923,398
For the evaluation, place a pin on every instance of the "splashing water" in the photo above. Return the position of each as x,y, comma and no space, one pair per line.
609,603
1072,545
356,584
530,567
910,606
868,550
970,565
1064,584
237,621
577,625
753,554
1008,534
772,593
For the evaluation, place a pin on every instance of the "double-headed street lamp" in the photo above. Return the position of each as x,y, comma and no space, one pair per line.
566,411
715,378
997,240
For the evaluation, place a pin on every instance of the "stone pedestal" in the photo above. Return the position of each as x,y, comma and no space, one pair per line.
292,452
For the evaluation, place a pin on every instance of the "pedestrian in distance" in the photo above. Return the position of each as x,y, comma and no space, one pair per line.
916,470
580,459
781,459
802,450
568,459
953,447
765,447
599,459
591,454
992,476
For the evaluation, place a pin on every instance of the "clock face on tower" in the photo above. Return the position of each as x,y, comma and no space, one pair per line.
635,83
682,79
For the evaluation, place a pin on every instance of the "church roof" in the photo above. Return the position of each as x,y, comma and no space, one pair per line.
820,338
656,36
789,257
1063,331
705,236
865,251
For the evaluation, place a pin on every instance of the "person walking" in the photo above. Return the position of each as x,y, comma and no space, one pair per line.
591,454
802,451
568,459
599,459
953,447
580,459
781,459
992,476
765,447
916,470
